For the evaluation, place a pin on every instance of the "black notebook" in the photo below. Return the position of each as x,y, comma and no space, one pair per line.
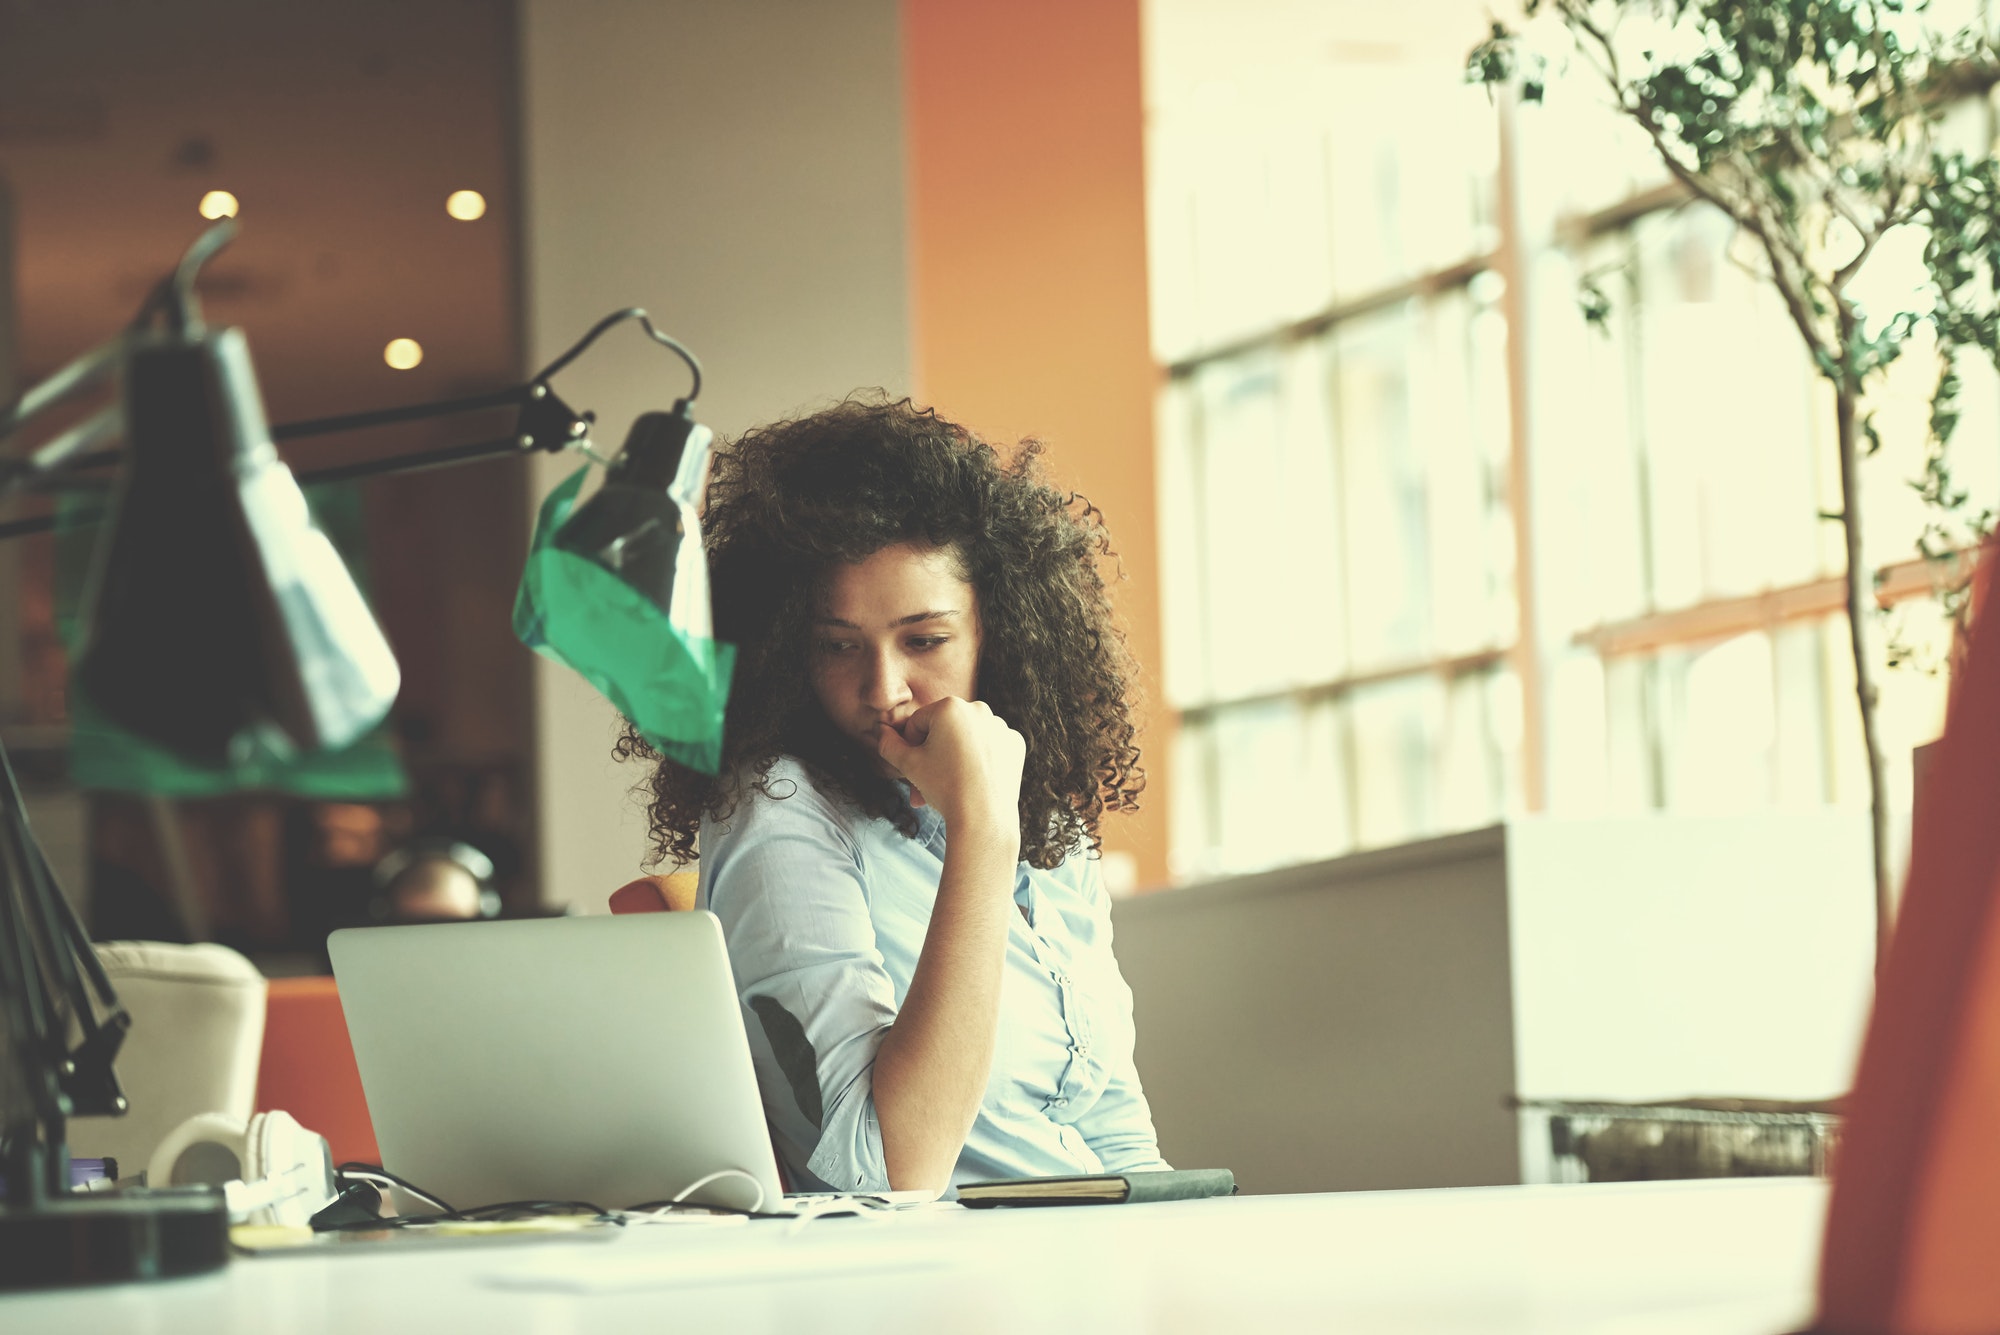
1184,1184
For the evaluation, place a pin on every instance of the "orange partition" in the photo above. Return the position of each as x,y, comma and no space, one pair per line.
1916,1195
308,1067
1027,192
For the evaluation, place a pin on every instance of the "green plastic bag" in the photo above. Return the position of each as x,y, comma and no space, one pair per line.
106,758
663,670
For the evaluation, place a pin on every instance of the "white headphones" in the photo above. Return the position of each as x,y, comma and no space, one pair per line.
271,1169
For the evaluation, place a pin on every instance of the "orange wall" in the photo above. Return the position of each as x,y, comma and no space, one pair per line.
1028,276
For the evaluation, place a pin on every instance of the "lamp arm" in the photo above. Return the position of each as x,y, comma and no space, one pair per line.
414,412
421,462
174,294
545,423
37,1115
619,317
21,981
182,306
536,390
367,468
66,968
91,367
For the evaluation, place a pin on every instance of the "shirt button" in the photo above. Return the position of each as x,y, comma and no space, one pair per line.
1062,1103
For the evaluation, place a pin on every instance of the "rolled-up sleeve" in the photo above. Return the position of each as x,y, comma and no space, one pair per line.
785,878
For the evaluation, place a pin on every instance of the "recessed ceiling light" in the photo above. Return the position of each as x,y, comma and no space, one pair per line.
218,204
465,205
403,353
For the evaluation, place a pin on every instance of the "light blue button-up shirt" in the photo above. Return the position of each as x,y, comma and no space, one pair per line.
825,912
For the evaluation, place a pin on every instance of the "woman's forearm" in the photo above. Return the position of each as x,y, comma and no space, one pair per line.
932,1067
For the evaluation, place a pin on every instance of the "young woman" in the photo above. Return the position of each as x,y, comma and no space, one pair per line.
929,715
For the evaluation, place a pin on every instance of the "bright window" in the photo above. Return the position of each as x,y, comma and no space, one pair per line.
1435,548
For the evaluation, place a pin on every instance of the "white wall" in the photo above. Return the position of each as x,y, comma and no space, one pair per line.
738,171
1659,957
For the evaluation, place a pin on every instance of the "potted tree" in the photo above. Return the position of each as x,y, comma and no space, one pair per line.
1815,126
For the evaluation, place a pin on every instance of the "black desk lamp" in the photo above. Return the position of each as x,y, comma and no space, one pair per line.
217,610
220,617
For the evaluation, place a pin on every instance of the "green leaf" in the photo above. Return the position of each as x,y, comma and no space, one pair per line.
1871,435
1594,303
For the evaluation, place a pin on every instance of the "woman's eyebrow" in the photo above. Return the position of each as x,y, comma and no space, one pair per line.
910,620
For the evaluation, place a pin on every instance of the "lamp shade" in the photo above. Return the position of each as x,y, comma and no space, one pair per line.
617,589
219,618
633,526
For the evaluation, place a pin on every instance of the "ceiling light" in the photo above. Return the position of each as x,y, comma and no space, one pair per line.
466,205
403,353
218,204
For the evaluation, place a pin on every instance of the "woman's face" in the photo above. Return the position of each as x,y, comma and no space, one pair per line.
896,632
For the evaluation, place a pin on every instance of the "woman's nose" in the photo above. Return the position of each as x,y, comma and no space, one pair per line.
887,685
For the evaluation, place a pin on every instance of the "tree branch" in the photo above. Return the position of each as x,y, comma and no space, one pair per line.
1743,212
1845,273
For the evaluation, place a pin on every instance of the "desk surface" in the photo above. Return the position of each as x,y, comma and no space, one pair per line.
1710,1257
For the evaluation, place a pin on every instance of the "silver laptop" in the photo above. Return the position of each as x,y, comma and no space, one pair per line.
596,1059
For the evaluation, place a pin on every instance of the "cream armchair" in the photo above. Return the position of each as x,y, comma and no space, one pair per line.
197,1030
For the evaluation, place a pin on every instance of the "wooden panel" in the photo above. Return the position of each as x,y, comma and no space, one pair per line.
308,1067
1028,276
1916,1199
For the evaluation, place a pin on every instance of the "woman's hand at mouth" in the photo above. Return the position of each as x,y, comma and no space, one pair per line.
961,759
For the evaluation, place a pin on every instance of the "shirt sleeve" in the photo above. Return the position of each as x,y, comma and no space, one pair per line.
1119,1126
785,878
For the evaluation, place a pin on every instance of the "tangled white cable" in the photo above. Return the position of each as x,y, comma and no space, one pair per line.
666,1213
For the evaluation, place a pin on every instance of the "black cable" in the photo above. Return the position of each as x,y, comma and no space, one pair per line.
524,1209
533,1208
449,1213
619,317
359,1168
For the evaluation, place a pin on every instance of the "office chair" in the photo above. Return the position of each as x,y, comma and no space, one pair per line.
675,894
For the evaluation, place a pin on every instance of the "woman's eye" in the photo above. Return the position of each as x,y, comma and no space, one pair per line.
923,642
835,646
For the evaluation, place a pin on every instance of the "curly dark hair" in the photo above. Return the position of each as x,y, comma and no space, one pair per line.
790,501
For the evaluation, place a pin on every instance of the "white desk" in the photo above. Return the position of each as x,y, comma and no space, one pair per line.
1712,1257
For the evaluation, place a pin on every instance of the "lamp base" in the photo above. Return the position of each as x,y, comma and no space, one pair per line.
111,1237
